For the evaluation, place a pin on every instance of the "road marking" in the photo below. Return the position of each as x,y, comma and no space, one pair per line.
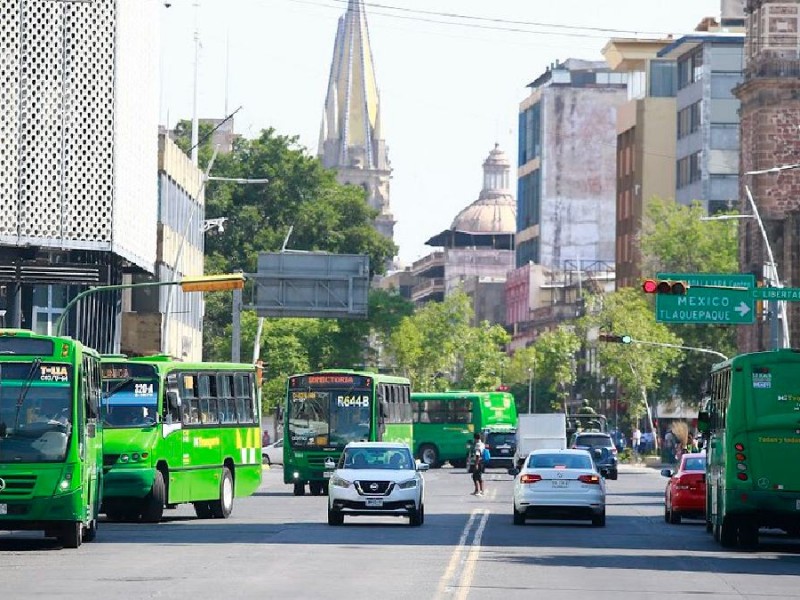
458,561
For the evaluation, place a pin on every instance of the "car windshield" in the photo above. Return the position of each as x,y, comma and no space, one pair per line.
694,464
589,440
376,458
498,439
559,461
130,395
35,412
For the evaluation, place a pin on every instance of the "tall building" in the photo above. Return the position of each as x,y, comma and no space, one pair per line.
567,161
477,251
709,66
770,113
350,138
78,160
645,143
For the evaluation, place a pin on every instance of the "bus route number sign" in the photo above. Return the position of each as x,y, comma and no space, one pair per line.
348,401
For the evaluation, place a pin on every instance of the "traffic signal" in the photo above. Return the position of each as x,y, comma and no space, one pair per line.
665,286
616,339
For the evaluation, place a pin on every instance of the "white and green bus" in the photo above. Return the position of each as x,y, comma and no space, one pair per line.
178,432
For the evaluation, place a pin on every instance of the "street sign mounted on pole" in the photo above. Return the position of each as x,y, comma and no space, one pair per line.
715,298
782,294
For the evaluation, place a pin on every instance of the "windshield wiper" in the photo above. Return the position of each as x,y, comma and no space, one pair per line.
117,387
24,390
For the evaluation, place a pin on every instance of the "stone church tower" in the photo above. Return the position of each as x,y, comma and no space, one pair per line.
350,137
770,137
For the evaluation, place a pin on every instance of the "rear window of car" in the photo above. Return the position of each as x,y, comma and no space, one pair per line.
694,464
498,439
593,440
559,461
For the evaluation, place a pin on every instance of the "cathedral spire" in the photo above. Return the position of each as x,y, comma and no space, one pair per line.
350,139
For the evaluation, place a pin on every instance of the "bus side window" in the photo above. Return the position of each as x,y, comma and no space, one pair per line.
243,390
226,405
189,401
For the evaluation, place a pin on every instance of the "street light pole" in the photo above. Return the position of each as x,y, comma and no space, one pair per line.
530,387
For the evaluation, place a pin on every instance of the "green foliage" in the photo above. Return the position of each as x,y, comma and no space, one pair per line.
675,240
484,360
555,352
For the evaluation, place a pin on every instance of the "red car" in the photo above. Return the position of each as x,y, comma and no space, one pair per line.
685,495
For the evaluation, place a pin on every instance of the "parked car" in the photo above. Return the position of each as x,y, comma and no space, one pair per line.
502,446
685,494
377,478
602,449
273,454
560,484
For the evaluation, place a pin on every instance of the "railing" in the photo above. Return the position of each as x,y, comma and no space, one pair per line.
773,67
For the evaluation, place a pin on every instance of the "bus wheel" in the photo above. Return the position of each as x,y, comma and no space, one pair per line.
223,507
90,533
429,455
748,535
315,487
71,535
202,510
299,488
153,506
728,532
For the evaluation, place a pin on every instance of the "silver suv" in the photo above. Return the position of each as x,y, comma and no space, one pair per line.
602,449
377,478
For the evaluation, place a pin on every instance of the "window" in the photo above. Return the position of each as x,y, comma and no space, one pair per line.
688,170
190,403
689,120
208,400
48,304
663,76
226,404
690,68
242,388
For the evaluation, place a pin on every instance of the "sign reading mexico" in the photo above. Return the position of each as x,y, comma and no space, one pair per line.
721,298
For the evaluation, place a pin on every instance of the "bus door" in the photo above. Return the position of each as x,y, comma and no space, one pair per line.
177,410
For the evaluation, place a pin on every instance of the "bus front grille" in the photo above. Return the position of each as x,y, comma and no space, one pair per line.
17,486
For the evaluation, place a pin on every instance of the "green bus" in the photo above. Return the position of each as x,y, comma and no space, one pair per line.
177,432
327,409
445,422
50,438
751,426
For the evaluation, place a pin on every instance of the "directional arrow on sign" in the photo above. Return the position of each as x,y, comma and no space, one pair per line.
742,309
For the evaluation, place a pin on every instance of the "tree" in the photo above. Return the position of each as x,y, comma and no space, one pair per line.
555,352
675,240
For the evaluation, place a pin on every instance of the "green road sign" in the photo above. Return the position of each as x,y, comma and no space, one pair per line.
707,300
770,293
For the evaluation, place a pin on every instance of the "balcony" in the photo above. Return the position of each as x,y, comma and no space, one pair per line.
428,289
428,266
768,66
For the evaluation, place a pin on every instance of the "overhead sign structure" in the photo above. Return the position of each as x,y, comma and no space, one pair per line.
311,284
716,298
778,294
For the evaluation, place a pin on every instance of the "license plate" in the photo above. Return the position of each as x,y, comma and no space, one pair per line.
3,509
504,451
560,484
374,502
327,474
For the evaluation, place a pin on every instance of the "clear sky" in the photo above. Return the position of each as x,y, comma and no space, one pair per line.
450,86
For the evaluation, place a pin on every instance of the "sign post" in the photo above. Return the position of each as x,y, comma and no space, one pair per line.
715,298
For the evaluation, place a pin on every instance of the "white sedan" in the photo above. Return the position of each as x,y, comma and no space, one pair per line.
272,454
377,478
560,484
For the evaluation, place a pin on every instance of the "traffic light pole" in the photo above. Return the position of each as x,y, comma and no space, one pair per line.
693,348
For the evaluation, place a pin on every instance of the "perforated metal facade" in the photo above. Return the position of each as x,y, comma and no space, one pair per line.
78,126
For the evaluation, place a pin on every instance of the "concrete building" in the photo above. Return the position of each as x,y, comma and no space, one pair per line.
709,66
770,113
645,143
78,158
350,139
478,249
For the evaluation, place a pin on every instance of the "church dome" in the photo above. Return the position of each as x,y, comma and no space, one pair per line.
495,210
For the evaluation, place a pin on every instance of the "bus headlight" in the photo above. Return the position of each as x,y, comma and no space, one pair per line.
65,481
407,485
337,481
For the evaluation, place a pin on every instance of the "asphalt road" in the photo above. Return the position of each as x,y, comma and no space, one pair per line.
277,545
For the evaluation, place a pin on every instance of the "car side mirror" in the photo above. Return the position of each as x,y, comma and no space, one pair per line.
421,466
666,472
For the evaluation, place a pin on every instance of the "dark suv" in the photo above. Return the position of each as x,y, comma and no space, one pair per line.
602,449
502,446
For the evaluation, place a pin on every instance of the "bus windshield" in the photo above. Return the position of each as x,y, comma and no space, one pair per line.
35,412
327,417
130,395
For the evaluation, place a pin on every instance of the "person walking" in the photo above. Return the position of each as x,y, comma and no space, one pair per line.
636,441
477,464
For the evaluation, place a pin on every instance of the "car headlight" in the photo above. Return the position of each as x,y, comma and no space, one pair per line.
339,482
407,485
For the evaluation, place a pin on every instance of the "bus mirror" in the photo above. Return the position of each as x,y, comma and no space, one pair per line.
93,406
173,400
384,410
703,421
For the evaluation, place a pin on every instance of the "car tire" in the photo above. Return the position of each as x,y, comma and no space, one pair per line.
709,526
613,475
519,518
417,517
300,489
153,507
335,517
666,514
90,533
674,517
265,460
599,520
223,507
429,454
